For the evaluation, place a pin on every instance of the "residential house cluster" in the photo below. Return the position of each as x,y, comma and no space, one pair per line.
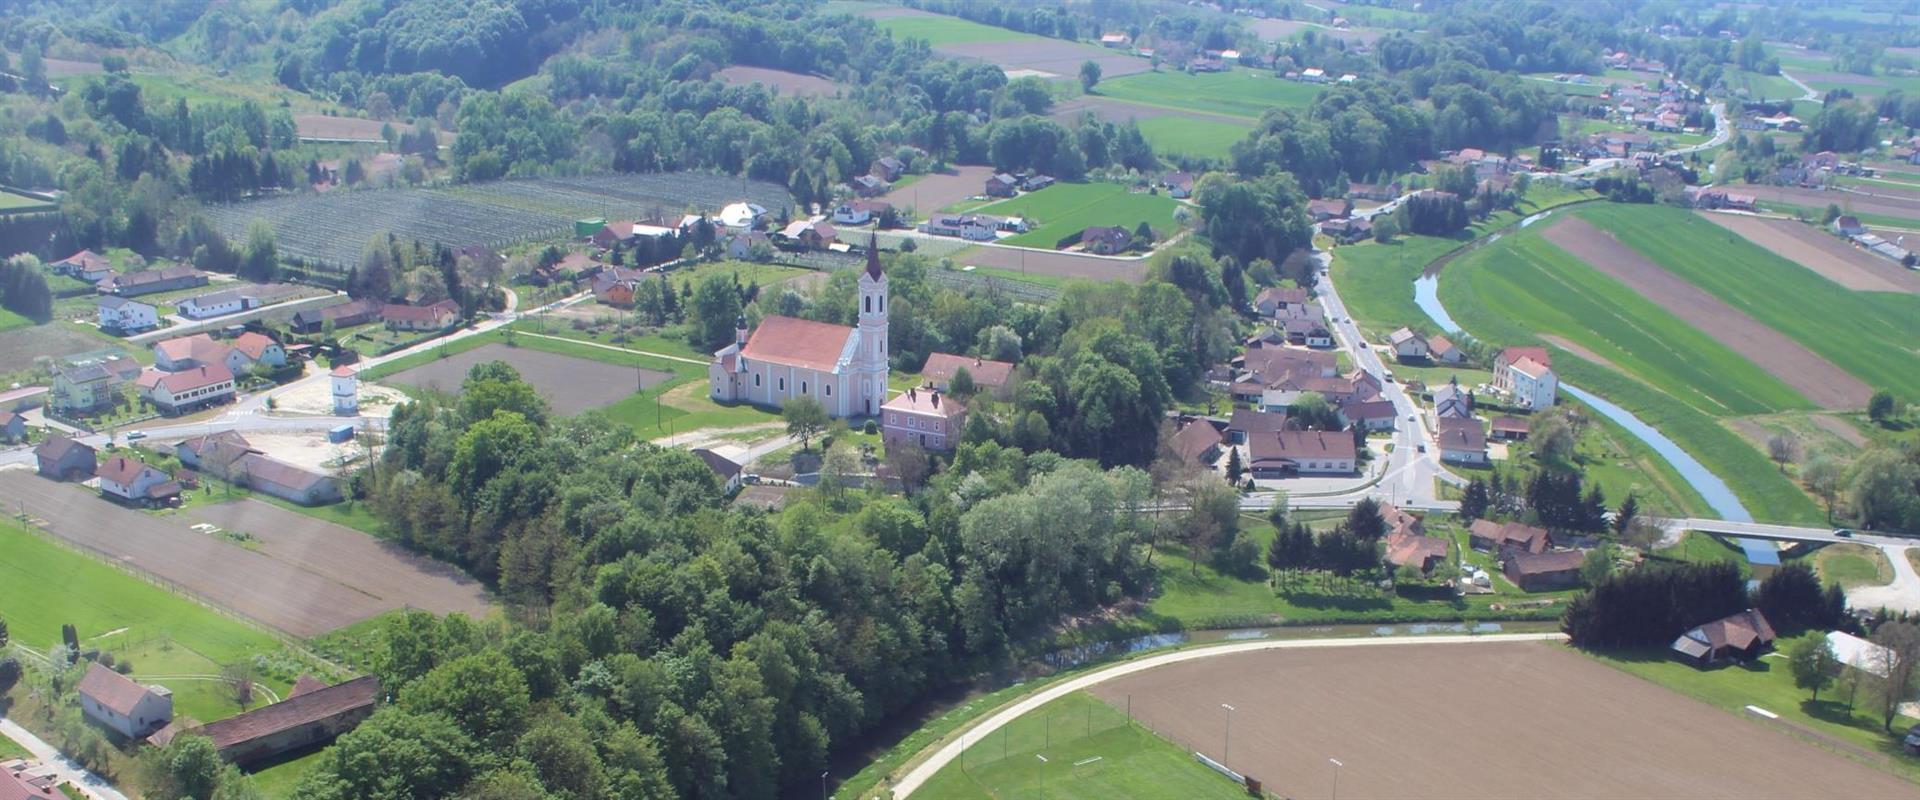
229,456
196,371
90,383
1457,434
879,178
1527,554
1002,184
1717,197
1410,346
1295,319
1621,59
972,227
1525,375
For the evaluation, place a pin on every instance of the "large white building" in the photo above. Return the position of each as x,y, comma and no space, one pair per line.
1526,373
844,368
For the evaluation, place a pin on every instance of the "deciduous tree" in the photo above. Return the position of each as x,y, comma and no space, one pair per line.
1813,662
805,418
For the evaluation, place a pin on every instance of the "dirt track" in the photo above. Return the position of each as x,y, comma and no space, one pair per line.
1822,252
1814,377
305,577
1525,720
571,385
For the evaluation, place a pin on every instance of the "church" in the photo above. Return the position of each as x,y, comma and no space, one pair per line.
843,368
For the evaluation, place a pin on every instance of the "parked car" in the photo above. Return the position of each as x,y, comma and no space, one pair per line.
134,436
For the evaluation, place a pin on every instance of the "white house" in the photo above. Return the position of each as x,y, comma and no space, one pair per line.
174,392
852,214
843,368
123,316
129,479
129,709
966,226
730,473
1407,344
216,304
1532,383
255,348
1461,441
740,248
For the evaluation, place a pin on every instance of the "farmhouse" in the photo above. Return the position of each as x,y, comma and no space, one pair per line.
1001,184
860,212
1848,225
1461,441
1452,402
1530,382
1285,453
1408,345
85,265
985,373
214,304
786,357
343,315
1399,521
887,168
302,720
869,186
1420,552
122,316
1442,349
64,459
187,352
1179,185
922,417
1499,537
741,247
430,317
811,234
1542,572
1737,637
966,226
165,279
1286,390
1247,423
1326,209
731,474
1197,443
257,348
1310,332
1347,229
194,387
1282,301
131,481
83,388
1105,240
127,708
1368,415
212,452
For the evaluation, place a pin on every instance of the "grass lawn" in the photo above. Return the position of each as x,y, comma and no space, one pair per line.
10,750
1064,209
941,29
1525,287
1868,334
1815,213
10,320
1133,762
1768,683
11,203
97,599
279,778
1192,137
1853,565
1376,279
1762,87
1620,464
1237,93
1702,548
746,272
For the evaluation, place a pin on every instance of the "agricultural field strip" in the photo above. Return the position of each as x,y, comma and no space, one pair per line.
1869,335
333,228
1786,359
1524,286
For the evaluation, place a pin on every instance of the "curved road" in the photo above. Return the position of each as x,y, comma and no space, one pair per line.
921,772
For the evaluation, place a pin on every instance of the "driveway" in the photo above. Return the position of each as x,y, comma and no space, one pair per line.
64,768
1903,594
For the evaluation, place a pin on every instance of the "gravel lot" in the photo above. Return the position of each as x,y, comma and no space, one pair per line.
1804,370
1524,720
571,385
303,576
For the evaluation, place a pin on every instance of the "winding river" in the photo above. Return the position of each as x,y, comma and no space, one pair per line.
1426,293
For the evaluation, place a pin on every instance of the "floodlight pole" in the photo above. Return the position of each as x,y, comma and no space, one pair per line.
1226,754
1043,773
1336,777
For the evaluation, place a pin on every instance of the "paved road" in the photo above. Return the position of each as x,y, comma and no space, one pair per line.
65,768
1903,593
1809,95
921,772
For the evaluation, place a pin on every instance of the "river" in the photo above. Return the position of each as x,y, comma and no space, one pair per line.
1426,293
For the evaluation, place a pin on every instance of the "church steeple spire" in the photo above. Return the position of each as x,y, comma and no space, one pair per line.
873,256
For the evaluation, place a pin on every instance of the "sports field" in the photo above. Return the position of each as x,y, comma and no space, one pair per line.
1868,334
1090,750
1064,209
1238,93
1505,720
